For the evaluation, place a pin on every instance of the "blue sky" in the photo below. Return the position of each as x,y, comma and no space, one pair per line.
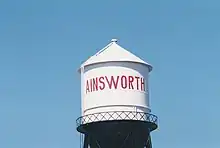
43,43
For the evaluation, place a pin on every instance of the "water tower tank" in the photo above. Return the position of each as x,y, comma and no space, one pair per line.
115,100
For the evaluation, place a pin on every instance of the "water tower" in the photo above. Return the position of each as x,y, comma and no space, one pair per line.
115,100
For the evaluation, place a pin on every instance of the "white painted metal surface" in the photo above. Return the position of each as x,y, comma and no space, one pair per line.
114,80
114,52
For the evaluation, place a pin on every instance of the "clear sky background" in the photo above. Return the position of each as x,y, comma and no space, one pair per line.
43,42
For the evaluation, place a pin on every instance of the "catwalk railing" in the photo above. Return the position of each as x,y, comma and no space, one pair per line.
116,115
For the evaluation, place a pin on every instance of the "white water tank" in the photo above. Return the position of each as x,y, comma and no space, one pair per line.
114,80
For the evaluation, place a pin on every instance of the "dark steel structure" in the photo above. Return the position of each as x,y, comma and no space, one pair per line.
116,129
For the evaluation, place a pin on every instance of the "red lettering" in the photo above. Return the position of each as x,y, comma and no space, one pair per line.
137,78
142,84
91,85
123,82
87,86
131,80
112,81
101,81
95,84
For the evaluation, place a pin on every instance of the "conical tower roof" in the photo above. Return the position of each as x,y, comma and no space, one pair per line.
114,52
